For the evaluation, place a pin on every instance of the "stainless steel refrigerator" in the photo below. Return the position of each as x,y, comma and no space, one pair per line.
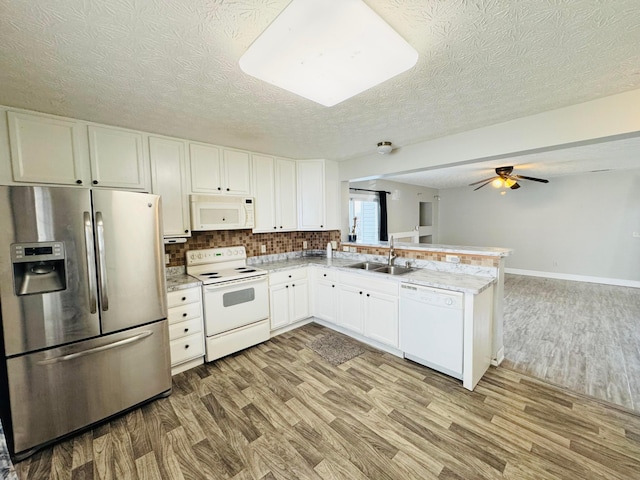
83,309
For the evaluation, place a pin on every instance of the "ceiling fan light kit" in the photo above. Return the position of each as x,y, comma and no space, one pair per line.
328,51
504,178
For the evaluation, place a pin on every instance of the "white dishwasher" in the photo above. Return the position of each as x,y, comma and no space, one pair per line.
431,327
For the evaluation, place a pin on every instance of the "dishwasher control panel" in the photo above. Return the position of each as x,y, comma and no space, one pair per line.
432,296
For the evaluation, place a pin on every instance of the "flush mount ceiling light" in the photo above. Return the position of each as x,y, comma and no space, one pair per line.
328,50
384,148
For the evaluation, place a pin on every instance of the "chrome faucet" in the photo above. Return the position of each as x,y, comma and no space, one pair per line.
392,253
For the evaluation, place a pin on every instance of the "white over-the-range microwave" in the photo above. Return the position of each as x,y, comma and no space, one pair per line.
221,212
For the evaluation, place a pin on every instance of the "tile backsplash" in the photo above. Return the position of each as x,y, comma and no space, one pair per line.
280,242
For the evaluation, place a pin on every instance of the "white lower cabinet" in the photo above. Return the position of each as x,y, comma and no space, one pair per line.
186,332
288,296
370,310
326,294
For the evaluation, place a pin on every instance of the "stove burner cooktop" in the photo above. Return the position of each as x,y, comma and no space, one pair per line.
221,265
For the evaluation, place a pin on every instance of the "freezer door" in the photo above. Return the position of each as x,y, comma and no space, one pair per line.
57,391
33,215
130,255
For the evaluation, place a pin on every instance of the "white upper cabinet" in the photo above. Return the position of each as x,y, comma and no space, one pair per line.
275,194
55,150
286,194
206,165
318,195
46,149
236,172
216,170
169,180
118,159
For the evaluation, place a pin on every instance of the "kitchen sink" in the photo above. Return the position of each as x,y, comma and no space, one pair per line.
381,268
393,270
367,265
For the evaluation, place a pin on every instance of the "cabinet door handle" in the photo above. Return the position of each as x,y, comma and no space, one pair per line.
293,285
184,314
186,231
79,182
95,182
321,226
228,189
186,330
368,295
324,274
286,286
333,286
219,188
186,346
360,293
289,276
184,298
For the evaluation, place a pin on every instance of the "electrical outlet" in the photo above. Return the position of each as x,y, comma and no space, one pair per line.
334,244
345,248
452,258
167,259
353,249
304,244
263,249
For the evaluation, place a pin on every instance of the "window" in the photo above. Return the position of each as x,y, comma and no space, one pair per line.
365,209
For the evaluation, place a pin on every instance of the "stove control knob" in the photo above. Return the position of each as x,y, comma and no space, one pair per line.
199,255
229,253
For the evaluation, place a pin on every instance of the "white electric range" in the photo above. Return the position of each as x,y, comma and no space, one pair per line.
235,299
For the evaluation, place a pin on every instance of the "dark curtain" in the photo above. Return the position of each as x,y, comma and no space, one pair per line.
382,199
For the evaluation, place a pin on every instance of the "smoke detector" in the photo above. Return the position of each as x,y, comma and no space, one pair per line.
384,148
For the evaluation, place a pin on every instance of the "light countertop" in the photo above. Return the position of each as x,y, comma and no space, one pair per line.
181,281
424,247
420,276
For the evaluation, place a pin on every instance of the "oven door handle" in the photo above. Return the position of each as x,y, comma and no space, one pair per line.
235,283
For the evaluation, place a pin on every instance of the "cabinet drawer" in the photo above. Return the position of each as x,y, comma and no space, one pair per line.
181,297
182,329
287,276
327,274
186,348
369,283
185,312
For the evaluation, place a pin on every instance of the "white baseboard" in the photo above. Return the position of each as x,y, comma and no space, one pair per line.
499,358
576,278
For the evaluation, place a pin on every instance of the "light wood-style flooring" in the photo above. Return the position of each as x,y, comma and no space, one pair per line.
584,336
279,411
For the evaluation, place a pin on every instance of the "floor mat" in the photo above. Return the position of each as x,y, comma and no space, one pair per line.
336,348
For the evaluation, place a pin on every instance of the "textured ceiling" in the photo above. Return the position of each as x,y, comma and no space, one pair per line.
614,155
171,67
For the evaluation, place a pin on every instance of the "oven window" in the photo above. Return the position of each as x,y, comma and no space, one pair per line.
238,296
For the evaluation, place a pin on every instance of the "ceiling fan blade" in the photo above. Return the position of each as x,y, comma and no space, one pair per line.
485,180
486,183
541,180
515,186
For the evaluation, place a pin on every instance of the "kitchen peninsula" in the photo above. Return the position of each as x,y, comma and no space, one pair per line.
365,303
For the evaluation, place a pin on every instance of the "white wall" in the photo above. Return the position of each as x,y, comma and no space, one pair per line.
403,205
578,225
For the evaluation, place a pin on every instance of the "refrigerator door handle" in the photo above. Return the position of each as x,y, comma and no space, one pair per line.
91,264
101,348
102,263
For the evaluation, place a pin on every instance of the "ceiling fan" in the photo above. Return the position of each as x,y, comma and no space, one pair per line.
504,178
